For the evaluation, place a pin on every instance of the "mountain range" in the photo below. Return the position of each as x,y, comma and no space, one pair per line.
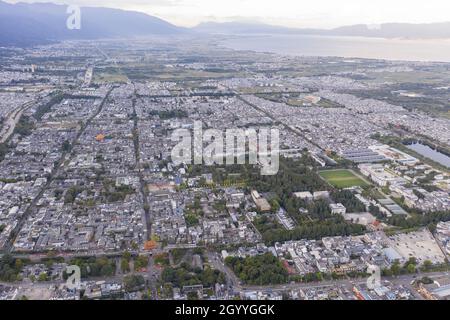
25,24
387,30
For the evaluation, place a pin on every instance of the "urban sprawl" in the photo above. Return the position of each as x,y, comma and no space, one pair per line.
87,179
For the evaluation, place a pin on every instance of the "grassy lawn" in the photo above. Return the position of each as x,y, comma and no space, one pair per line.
342,178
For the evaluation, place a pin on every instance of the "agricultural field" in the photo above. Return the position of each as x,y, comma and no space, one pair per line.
342,178
104,77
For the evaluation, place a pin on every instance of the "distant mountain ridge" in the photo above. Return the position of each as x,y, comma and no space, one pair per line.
24,24
386,30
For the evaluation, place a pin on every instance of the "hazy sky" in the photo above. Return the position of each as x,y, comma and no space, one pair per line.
294,13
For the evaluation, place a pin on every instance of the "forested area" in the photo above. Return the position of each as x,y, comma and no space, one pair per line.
258,270
185,275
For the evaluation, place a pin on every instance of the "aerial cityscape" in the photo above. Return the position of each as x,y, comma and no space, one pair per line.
97,202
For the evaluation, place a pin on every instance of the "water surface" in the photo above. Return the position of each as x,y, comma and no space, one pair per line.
348,47
430,153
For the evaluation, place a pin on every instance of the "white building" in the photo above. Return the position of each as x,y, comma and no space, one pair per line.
338,208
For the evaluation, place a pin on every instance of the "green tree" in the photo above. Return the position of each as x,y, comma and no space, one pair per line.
140,262
395,268
427,264
133,282
411,268
125,265
43,277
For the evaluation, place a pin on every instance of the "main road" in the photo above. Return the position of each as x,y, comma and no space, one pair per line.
9,124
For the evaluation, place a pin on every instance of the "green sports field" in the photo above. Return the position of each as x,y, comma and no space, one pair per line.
342,178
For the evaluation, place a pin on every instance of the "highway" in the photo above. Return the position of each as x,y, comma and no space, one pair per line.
11,121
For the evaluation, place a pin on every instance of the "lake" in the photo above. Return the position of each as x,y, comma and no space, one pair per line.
347,47
430,153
